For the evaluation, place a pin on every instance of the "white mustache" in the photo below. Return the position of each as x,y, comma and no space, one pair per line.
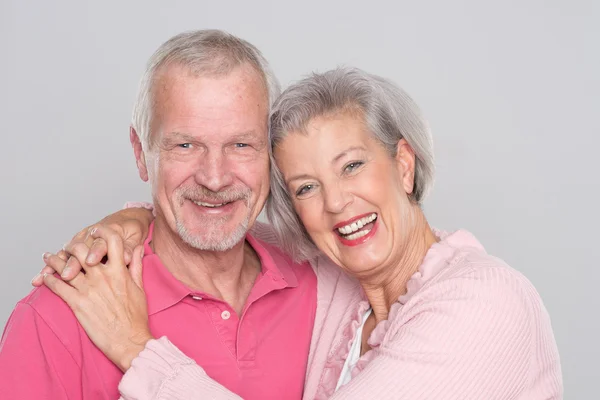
202,194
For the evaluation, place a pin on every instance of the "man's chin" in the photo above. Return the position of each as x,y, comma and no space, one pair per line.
219,238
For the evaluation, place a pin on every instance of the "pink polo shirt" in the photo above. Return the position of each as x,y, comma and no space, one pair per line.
262,354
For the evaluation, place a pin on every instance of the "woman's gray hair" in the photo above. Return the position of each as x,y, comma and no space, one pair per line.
204,52
390,115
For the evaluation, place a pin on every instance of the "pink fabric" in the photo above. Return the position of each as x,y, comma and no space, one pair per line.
469,327
45,354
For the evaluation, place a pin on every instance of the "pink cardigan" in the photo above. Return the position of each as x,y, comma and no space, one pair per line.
469,327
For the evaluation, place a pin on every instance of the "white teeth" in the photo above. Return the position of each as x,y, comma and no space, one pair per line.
357,235
200,203
356,225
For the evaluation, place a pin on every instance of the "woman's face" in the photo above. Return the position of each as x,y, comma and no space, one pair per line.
349,192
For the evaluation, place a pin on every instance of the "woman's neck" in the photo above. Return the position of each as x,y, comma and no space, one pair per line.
388,285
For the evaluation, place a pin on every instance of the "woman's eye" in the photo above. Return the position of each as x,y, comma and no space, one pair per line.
352,166
304,190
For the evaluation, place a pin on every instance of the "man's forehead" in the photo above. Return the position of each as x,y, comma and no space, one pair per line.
230,106
173,75
238,136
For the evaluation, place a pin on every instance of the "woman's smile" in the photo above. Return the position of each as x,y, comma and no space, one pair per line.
356,230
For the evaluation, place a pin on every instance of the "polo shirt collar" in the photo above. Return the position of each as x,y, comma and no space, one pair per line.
163,290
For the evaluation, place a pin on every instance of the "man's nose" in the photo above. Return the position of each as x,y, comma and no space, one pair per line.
214,171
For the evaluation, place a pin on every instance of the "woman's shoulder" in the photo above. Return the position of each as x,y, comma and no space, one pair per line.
459,255
458,267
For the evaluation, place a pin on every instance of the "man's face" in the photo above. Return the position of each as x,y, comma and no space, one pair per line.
208,162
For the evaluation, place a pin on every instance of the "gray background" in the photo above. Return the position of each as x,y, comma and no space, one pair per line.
511,89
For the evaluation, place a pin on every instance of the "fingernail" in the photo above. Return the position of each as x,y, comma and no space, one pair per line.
36,277
45,256
90,259
65,272
93,231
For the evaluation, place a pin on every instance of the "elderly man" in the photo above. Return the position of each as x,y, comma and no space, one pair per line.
236,305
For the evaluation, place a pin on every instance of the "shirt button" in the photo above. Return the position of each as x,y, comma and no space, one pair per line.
225,314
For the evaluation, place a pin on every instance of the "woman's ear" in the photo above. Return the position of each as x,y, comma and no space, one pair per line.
405,160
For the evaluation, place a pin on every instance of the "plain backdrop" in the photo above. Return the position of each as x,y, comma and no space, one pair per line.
510,88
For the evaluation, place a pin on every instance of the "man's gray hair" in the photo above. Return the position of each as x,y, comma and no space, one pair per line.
203,52
390,115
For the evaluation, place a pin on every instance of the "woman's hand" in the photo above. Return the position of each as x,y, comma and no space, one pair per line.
108,300
131,224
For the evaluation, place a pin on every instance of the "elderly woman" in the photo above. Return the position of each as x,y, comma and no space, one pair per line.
433,316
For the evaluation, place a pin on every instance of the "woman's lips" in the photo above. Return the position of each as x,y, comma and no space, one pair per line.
356,238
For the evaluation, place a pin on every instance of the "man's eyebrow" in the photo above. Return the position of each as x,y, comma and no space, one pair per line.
245,135
348,150
186,137
179,136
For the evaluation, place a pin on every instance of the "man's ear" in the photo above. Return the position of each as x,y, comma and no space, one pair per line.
140,158
405,159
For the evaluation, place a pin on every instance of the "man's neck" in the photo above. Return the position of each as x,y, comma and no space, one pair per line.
226,275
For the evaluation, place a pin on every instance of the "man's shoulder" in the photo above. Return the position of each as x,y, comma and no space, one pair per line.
44,305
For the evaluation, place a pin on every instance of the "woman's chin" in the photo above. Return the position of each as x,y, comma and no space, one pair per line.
358,263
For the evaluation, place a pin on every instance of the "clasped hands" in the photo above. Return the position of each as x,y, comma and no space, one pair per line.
107,297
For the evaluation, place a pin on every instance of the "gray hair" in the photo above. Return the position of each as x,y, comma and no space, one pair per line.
204,52
390,115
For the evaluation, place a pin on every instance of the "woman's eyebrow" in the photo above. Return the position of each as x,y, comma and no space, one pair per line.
296,177
348,150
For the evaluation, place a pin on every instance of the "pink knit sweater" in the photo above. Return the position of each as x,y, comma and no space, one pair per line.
469,327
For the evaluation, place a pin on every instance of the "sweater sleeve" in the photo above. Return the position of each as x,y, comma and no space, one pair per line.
469,337
163,372
139,204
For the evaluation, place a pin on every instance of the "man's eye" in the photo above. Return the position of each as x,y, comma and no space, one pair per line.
352,166
241,145
184,145
304,190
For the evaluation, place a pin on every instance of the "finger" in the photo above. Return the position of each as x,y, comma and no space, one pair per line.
127,252
114,242
38,279
135,267
61,289
55,263
78,252
129,246
63,255
97,252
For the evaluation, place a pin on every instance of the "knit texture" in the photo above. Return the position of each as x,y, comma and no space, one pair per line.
468,327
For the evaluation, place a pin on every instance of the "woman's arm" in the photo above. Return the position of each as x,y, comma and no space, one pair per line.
469,337
110,304
161,371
